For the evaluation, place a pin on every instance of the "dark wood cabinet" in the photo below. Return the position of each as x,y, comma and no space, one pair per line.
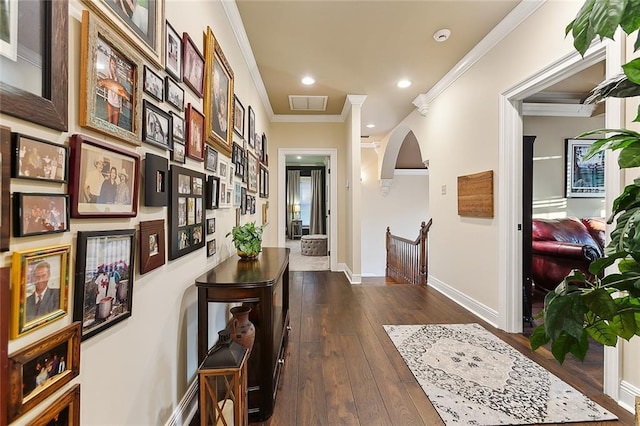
264,285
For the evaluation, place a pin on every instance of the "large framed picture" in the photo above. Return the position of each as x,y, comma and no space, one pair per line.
38,159
584,178
186,219
104,279
238,117
192,66
157,127
5,192
38,214
218,96
152,245
110,89
156,177
64,411
195,133
104,179
173,52
39,289
43,97
153,84
139,22
40,369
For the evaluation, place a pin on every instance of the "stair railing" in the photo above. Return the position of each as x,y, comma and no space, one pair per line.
407,260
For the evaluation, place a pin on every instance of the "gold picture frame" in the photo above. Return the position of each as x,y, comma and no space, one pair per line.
39,289
64,411
42,368
218,96
110,82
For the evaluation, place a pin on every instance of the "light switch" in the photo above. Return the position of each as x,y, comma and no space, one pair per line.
444,189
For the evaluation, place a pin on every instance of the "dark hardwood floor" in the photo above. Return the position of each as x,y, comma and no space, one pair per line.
342,369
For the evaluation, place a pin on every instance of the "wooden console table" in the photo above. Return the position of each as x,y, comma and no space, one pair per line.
264,284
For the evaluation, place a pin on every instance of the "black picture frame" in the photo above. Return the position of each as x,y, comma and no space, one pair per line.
39,214
38,159
263,150
264,181
178,154
178,130
251,127
211,225
213,191
173,52
243,200
152,84
211,247
174,94
211,159
157,126
104,279
186,218
238,116
156,178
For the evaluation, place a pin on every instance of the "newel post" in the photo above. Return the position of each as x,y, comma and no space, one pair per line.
424,257
387,245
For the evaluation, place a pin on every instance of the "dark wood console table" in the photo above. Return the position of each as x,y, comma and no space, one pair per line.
264,284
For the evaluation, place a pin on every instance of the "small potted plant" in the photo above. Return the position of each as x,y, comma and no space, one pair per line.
247,239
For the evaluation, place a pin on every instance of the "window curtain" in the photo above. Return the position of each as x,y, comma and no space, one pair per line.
316,222
293,197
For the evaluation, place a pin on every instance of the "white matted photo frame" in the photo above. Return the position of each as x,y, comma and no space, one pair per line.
584,178
110,83
172,52
140,23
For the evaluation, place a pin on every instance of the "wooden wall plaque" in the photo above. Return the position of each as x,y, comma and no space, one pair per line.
475,194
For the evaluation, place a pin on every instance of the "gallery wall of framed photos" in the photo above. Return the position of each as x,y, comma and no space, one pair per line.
91,195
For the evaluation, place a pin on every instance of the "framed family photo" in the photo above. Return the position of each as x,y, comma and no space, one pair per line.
153,84
39,289
584,178
139,22
173,52
195,133
186,218
211,159
104,179
152,245
40,369
178,132
192,66
110,89
175,94
238,117
157,127
64,411
38,214
38,159
218,96
104,279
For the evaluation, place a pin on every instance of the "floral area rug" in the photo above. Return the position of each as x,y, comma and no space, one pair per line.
474,378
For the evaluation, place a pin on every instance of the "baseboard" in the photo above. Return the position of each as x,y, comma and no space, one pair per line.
187,408
627,396
484,312
353,278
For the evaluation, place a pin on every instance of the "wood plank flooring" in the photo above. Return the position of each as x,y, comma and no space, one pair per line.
342,369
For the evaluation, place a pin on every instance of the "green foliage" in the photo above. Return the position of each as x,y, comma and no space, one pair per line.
247,238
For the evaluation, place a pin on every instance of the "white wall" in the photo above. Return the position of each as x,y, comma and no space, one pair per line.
402,209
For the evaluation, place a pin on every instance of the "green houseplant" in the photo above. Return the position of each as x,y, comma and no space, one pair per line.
606,306
247,239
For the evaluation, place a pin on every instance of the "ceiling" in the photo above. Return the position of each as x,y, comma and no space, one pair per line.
361,47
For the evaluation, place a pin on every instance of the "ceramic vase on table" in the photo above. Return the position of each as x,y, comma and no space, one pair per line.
243,331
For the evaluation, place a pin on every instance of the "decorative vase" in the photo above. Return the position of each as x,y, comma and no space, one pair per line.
243,331
247,256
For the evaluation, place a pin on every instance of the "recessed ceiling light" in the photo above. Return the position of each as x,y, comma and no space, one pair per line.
403,84
371,126
442,35
308,80
299,158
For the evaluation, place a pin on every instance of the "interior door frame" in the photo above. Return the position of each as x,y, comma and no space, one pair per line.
510,183
332,199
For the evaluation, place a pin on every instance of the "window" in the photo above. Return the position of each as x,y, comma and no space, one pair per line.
305,199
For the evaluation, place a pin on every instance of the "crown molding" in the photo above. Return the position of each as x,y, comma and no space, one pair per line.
521,12
558,110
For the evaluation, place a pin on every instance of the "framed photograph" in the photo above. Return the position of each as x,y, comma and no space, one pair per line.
157,127
218,95
211,226
139,22
178,154
213,189
39,288
110,89
5,187
64,411
222,195
37,214
192,66
238,117
152,246
40,369
156,177
265,208
175,94
173,52
104,279
195,133
264,182
47,104
263,150
251,127
253,171
237,191
9,32
584,178
211,159
223,169
152,84
243,200
38,159
186,218
104,179
178,132
211,247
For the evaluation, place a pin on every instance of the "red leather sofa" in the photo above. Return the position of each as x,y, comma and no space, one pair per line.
561,245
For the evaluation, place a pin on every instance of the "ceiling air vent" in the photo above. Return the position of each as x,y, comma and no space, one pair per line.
307,103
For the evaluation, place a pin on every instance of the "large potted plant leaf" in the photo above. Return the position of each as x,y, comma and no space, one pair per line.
247,239
606,307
